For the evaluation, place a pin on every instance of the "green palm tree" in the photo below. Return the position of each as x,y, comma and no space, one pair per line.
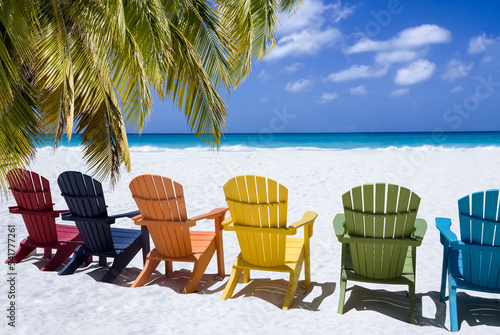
88,66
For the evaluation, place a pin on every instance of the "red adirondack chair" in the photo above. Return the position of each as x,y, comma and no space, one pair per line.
34,203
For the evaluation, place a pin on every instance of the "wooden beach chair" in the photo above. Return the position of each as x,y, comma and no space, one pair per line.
379,233
473,262
34,203
163,211
258,208
85,199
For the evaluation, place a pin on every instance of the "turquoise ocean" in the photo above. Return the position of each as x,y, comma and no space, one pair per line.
310,141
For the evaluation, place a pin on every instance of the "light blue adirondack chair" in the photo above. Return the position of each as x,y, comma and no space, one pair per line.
472,263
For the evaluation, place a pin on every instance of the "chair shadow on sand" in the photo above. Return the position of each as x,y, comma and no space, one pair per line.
176,280
395,304
471,309
274,292
476,311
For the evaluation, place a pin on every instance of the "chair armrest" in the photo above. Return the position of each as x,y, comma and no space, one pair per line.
137,220
420,228
443,225
17,210
307,222
210,215
338,225
70,217
123,215
227,221
307,219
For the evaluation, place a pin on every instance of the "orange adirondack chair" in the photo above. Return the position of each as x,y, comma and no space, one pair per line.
34,203
163,212
258,208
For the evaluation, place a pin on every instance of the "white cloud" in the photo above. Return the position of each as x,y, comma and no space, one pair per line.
360,90
416,72
299,85
456,89
341,12
307,31
397,56
306,42
293,68
312,15
399,92
486,60
456,69
263,75
358,71
479,44
407,39
327,97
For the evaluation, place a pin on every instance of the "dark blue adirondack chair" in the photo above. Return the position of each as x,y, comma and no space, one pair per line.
472,263
85,199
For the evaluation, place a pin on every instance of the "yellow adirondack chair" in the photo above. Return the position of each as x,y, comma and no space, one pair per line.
163,211
258,208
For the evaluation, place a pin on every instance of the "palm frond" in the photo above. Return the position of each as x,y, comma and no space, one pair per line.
190,87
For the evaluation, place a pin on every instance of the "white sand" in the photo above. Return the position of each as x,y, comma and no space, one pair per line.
48,303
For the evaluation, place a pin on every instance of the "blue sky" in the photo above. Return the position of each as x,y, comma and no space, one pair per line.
370,66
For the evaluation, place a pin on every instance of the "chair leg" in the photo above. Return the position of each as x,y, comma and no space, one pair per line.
168,268
147,271
21,253
246,276
442,295
231,283
62,253
292,287
121,261
78,259
452,291
413,304
199,269
307,271
47,252
343,284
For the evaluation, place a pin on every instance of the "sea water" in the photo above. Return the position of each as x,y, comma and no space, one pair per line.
307,141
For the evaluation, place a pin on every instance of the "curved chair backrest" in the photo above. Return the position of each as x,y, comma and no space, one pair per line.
480,225
32,193
255,201
380,211
85,199
161,203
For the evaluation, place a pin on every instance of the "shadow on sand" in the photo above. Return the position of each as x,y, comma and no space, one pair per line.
274,291
471,309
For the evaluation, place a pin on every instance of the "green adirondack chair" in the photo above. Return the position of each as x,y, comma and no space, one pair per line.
379,233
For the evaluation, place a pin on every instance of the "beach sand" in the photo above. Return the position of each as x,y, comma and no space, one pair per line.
77,304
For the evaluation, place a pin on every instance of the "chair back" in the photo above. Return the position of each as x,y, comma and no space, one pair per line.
480,225
256,201
32,193
161,203
85,199
380,211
